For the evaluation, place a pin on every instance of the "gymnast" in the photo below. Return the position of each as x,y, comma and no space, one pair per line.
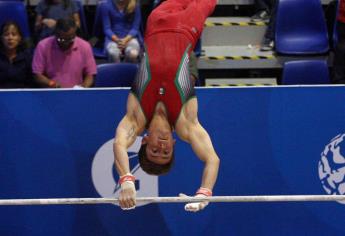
162,100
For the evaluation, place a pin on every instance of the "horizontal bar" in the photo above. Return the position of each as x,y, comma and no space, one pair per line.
269,198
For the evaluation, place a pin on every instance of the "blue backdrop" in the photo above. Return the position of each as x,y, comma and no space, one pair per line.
271,141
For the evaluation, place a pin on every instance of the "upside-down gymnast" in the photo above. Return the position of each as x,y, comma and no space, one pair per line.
162,100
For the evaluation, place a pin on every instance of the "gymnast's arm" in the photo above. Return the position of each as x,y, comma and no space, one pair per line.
131,125
190,130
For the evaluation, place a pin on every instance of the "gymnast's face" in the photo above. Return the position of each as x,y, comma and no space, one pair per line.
159,147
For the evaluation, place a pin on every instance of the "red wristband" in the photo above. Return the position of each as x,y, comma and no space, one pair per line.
204,191
52,84
125,178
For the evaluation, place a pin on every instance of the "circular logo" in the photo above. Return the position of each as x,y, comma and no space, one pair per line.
332,167
105,178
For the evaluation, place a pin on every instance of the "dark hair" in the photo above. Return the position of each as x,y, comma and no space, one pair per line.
4,27
150,167
65,24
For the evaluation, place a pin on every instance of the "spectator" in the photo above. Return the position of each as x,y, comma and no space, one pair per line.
269,37
263,10
64,60
49,11
121,23
15,58
339,50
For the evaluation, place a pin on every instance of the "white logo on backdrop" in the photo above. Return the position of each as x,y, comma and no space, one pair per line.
105,178
332,167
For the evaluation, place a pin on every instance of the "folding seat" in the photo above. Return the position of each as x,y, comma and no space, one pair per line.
305,72
15,11
301,27
116,74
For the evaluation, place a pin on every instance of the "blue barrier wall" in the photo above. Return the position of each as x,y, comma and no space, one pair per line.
271,141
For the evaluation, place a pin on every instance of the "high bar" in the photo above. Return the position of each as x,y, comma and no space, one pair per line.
262,198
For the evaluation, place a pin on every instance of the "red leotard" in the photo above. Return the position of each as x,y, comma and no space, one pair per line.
173,29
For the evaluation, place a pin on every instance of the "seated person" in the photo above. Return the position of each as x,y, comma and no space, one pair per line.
15,58
269,37
49,11
121,22
64,60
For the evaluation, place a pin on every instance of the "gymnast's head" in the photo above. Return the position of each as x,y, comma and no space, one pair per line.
156,155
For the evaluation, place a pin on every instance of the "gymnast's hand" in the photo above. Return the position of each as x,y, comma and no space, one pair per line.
198,206
127,198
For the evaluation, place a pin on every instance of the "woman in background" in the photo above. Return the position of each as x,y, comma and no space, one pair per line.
121,24
15,58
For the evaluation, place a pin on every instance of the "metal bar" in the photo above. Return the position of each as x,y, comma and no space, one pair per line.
269,198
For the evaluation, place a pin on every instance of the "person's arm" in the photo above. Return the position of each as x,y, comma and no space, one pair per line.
75,12
39,16
134,31
203,148
124,137
190,130
107,23
126,133
38,68
45,82
90,68
88,81
76,19
38,23
131,125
